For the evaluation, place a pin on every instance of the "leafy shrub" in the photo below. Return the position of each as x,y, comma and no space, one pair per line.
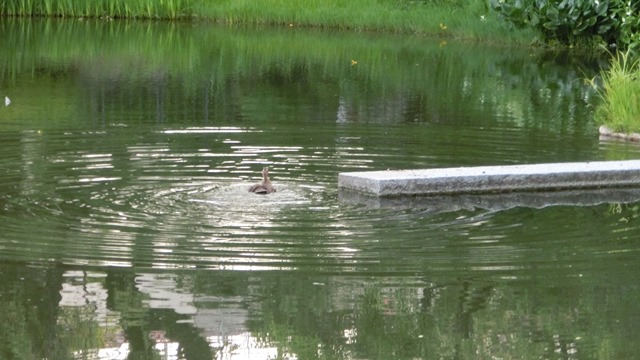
568,21
630,28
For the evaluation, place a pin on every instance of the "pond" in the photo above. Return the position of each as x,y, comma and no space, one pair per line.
127,231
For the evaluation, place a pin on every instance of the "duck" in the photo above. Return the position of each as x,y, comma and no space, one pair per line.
265,186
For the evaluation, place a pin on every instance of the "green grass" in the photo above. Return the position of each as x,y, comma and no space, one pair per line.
150,9
470,19
466,19
620,92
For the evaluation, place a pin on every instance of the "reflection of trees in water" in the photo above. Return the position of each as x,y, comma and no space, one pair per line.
468,319
140,322
29,313
33,324
354,318
314,317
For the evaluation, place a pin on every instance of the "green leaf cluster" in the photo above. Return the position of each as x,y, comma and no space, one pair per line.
571,21
630,28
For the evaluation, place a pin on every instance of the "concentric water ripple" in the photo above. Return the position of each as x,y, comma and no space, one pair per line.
177,198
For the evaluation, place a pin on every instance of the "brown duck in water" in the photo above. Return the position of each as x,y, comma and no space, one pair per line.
265,186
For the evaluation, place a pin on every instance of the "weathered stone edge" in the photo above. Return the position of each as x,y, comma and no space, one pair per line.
495,183
494,201
607,132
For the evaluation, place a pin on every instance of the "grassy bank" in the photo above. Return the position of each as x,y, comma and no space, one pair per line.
470,19
620,92
167,9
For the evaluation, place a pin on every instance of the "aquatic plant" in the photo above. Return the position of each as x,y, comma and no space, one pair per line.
615,22
620,93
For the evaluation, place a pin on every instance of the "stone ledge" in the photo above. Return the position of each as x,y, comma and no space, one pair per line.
494,179
609,133
494,201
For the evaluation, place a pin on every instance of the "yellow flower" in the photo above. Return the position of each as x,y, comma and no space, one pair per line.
443,26
354,62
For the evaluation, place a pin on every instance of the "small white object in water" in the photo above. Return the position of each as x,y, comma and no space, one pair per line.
7,101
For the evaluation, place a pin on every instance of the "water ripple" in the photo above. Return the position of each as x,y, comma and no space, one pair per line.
175,199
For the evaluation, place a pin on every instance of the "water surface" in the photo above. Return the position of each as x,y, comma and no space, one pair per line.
127,231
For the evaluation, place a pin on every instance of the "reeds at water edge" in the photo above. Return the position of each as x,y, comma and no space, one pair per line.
620,93
468,19
147,9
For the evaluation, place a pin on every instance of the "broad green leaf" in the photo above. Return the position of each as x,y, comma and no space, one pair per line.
602,7
553,13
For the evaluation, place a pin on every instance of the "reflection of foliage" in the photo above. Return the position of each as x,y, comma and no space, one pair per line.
391,327
130,305
28,314
125,298
408,79
369,317
625,212
302,346
79,331
469,320
16,338
26,333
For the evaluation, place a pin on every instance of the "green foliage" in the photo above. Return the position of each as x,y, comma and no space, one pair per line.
620,92
469,19
570,21
164,9
630,28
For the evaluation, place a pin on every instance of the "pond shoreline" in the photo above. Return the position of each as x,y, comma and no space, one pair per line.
607,132
472,20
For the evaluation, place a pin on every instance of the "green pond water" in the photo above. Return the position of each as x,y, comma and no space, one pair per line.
127,232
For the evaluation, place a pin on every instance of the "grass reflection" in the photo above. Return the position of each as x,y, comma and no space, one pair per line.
419,80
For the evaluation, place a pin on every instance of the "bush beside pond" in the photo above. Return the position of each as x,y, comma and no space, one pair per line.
615,23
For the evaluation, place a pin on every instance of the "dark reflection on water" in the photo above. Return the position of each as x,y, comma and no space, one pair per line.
127,229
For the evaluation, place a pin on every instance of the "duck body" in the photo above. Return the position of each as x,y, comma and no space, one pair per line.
265,186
